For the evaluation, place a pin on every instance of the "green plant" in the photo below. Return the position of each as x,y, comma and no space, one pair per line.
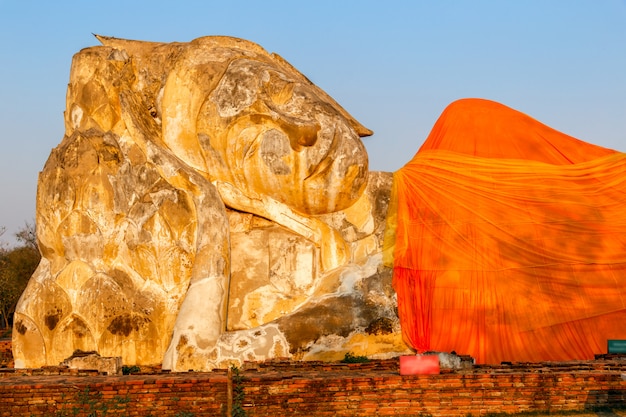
351,358
181,413
127,370
93,405
565,413
238,393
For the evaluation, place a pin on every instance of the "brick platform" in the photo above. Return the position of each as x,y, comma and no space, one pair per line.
285,388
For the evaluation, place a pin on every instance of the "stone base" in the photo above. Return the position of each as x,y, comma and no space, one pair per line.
91,360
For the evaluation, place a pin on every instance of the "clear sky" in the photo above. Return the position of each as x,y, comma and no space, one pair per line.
394,65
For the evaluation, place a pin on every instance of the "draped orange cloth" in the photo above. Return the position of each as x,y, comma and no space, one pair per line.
509,239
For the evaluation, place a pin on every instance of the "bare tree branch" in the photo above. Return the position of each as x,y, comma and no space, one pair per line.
27,235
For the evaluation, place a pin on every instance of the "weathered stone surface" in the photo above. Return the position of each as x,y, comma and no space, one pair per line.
208,204
92,361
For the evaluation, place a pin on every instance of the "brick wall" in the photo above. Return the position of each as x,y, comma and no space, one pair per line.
6,355
319,389
67,395
482,391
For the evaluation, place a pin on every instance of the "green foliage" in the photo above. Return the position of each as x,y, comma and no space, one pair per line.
238,393
181,413
16,267
351,358
91,404
97,407
597,409
128,370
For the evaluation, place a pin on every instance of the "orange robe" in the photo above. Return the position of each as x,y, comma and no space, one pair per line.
509,239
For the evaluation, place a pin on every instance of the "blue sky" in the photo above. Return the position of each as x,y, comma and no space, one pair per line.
394,65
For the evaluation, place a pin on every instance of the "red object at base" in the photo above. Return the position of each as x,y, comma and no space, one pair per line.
419,365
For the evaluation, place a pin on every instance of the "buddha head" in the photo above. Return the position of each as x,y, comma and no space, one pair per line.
244,116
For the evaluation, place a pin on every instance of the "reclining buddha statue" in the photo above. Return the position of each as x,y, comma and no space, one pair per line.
209,205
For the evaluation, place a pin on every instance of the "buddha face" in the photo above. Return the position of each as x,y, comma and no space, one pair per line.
270,131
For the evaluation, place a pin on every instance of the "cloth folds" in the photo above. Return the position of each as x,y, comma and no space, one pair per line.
508,239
